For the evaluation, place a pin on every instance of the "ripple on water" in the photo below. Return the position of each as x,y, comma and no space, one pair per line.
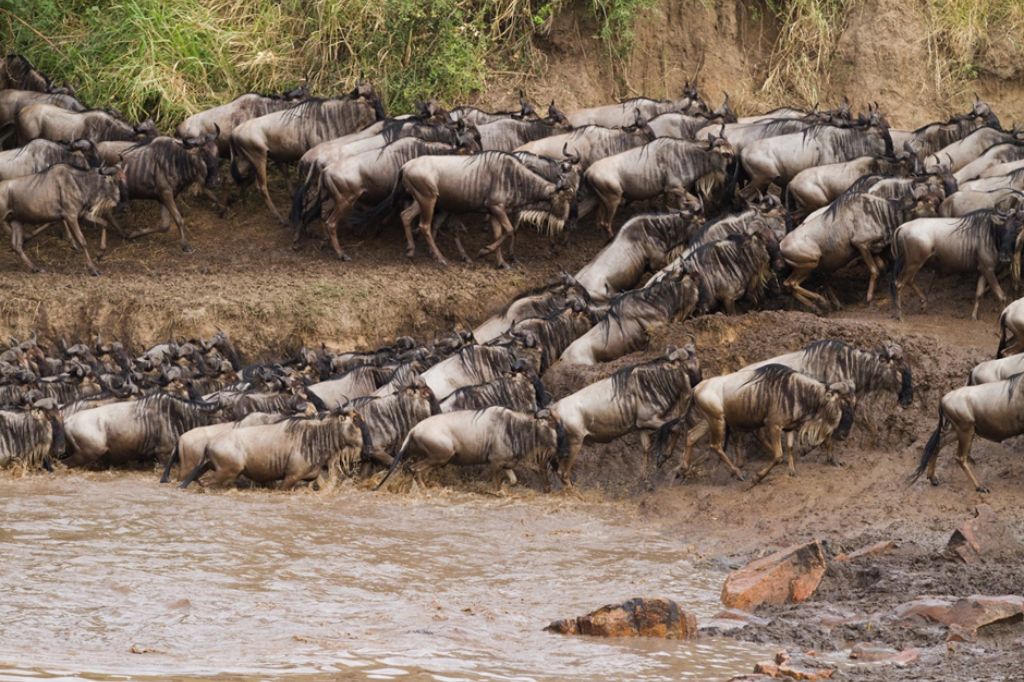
345,585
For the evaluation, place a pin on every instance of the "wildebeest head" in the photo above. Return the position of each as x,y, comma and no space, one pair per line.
298,94
526,110
208,154
87,149
363,90
721,146
724,112
765,235
117,187
983,111
892,355
467,138
554,113
1007,225
58,444
146,129
418,389
685,359
841,393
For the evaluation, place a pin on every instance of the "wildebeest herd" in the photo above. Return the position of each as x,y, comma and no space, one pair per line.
743,209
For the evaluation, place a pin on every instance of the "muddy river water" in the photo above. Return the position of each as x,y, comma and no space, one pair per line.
111,576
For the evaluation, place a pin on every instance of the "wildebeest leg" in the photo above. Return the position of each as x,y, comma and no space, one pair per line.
411,212
802,295
979,291
164,226
459,229
993,281
717,440
194,475
222,208
72,223
609,205
943,442
427,204
693,437
17,243
873,269
775,436
575,445
260,169
341,210
964,440
501,228
103,225
167,200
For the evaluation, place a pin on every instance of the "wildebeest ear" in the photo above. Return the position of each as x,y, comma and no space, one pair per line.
671,352
543,414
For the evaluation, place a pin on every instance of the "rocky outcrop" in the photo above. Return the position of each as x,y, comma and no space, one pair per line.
787,576
634,618
983,536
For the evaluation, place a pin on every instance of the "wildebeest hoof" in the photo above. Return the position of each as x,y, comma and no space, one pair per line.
983,490
934,480
741,477
442,262
37,269
187,248
94,272
504,266
344,257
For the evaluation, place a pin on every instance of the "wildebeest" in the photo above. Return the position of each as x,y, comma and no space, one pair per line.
929,139
959,204
631,317
765,212
641,245
667,167
284,136
370,177
493,182
223,119
993,156
292,450
161,168
830,361
996,370
553,333
1014,180
354,383
650,397
737,267
770,400
857,224
61,194
818,186
388,420
622,114
979,242
33,437
38,155
521,391
191,445
507,134
993,411
1011,329
958,154
476,116
537,302
503,438
56,123
137,430
17,72
13,101
475,364
779,159
590,143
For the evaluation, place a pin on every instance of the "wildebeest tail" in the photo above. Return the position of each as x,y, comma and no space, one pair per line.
396,461
661,439
931,448
171,461
383,209
897,266
306,208
236,173
1003,338
204,465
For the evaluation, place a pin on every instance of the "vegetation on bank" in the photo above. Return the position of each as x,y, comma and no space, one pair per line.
168,58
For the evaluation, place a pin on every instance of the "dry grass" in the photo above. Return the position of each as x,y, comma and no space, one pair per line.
972,37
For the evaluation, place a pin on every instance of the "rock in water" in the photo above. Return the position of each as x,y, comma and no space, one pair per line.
983,535
634,618
789,575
